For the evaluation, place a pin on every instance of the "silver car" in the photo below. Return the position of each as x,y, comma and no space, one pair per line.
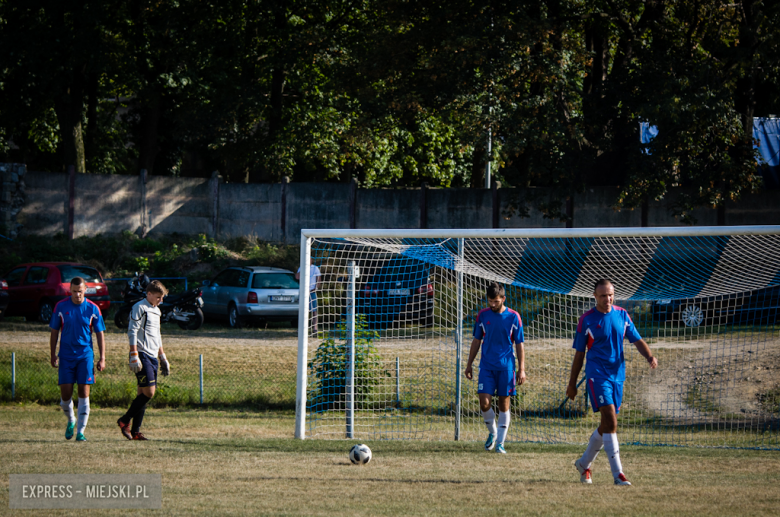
242,293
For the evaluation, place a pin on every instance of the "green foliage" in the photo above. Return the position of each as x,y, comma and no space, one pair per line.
209,250
331,367
137,264
121,255
394,93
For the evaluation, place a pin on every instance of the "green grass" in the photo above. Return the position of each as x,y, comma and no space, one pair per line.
238,463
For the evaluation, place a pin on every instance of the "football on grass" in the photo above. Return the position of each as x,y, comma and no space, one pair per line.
360,454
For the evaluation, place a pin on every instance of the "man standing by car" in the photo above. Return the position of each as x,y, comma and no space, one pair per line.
75,318
314,285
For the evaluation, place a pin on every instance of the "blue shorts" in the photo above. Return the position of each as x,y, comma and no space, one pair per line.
148,374
77,371
497,382
312,301
603,392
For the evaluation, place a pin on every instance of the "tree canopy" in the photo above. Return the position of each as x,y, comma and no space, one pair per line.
395,93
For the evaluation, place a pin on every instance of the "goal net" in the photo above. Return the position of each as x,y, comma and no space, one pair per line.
395,312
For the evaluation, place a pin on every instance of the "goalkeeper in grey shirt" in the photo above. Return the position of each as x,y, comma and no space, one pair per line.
146,352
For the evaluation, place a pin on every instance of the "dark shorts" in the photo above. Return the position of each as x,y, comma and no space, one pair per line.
497,382
312,301
603,392
77,371
148,374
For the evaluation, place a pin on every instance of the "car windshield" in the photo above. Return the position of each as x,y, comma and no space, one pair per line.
274,281
89,274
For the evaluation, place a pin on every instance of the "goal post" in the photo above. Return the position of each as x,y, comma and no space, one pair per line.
386,358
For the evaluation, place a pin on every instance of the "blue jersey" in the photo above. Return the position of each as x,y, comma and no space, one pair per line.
76,323
601,336
498,332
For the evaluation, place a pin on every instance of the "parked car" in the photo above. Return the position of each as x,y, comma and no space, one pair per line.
4,297
34,289
399,292
758,307
239,294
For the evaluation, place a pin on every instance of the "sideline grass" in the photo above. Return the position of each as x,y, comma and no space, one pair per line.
233,463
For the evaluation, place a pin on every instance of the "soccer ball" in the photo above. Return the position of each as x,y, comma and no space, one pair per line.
360,454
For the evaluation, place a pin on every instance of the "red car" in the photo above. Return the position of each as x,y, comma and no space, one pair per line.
35,289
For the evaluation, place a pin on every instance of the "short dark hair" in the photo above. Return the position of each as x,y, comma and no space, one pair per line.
155,286
602,281
77,280
494,290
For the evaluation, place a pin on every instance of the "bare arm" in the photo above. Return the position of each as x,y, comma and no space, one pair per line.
55,334
472,355
643,348
576,368
520,349
101,350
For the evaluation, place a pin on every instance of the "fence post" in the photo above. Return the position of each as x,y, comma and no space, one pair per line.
398,382
201,379
351,345
13,375
459,338
71,200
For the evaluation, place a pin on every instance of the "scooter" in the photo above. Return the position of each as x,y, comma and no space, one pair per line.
184,308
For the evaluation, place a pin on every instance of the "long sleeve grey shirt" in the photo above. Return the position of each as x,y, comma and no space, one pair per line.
144,328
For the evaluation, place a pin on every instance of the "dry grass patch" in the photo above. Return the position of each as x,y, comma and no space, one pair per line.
233,463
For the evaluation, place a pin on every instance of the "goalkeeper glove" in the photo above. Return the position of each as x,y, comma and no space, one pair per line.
165,366
135,363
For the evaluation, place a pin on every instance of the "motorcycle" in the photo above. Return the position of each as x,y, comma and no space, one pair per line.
184,308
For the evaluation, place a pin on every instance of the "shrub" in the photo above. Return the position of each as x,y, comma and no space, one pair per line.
331,367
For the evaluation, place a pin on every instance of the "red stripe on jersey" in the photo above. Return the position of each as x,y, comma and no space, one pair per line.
516,314
480,313
590,338
593,393
587,313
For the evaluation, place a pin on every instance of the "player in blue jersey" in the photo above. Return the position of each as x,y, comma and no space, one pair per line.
497,328
74,319
599,337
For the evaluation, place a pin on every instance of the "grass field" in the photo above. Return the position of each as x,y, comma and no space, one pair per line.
223,463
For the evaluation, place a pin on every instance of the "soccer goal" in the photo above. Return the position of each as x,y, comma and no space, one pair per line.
395,311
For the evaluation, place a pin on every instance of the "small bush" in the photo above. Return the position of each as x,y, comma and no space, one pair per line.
331,367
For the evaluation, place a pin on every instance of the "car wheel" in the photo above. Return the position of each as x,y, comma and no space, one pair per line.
45,311
235,321
294,323
692,316
194,322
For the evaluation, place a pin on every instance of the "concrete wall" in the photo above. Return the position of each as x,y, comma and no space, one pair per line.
181,205
386,208
251,209
316,205
103,204
45,211
110,204
460,208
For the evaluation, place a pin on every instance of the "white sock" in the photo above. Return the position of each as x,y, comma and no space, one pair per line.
595,444
490,420
503,426
67,408
83,414
613,453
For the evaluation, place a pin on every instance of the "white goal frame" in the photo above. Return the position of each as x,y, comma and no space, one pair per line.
307,235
